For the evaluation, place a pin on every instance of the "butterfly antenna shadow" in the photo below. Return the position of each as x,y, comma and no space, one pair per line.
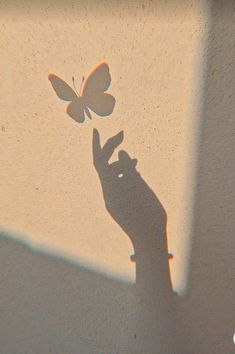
88,113
74,86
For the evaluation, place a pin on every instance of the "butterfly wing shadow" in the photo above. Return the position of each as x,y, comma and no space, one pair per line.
102,104
62,89
94,89
75,108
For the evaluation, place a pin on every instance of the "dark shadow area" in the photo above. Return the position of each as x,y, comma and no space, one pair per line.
208,311
134,206
48,305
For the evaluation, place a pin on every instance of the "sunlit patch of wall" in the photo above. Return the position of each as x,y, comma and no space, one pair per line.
50,189
33,247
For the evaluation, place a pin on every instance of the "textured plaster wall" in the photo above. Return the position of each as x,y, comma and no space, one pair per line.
68,285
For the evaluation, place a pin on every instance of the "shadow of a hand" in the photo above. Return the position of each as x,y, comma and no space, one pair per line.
128,199
134,206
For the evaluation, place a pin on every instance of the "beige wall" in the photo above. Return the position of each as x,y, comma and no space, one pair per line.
66,269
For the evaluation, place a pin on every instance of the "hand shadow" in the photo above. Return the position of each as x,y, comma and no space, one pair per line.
134,206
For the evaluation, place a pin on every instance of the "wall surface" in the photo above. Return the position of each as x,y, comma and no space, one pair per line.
70,225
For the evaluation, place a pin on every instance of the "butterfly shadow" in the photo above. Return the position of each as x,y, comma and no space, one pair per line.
92,95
